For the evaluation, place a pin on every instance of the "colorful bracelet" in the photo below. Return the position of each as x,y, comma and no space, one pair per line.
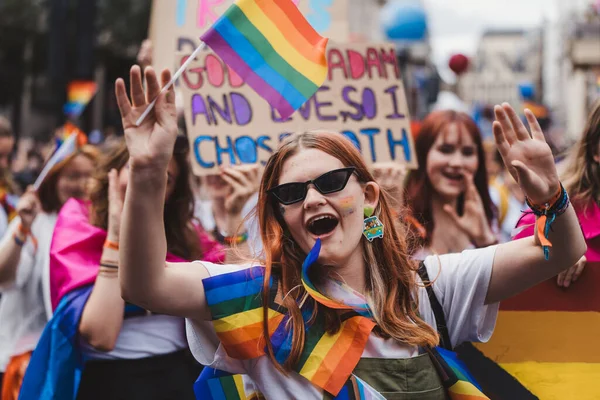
229,240
109,244
24,231
18,241
547,215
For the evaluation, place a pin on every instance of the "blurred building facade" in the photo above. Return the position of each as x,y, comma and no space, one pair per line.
579,64
504,60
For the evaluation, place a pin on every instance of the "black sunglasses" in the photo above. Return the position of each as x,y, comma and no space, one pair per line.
329,182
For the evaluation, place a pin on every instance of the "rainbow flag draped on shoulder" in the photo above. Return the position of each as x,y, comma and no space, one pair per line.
273,48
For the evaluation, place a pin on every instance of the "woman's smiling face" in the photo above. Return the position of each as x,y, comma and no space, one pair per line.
335,218
451,160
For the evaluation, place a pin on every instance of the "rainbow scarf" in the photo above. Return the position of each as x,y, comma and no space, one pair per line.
235,302
273,48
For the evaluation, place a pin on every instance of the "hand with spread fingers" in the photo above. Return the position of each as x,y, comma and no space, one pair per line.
244,181
566,278
151,144
527,156
473,220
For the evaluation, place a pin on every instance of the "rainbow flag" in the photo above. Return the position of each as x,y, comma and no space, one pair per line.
79,94
273,48
71,139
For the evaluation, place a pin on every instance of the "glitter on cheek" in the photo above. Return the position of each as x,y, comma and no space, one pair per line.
282,210
347,205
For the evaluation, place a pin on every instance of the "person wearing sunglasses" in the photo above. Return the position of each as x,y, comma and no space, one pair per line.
327,312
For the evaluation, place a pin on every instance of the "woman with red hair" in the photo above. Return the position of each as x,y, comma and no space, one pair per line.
448,195
333,309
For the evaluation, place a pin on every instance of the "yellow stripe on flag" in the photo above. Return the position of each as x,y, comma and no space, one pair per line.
311,70
318,354
241,319
558,381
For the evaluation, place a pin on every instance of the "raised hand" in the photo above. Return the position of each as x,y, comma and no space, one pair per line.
115,206
390,177
244,182
473,221
527,157
28,208
151,144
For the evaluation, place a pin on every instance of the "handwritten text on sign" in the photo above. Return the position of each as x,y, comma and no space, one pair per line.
363,98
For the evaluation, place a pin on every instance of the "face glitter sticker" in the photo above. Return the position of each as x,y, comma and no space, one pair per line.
347,205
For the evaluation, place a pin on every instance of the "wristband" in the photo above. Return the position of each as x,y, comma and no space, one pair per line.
23,230
229,240
19,241
547,215
109,265
109,244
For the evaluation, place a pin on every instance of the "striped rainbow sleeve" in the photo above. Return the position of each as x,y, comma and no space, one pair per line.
235,303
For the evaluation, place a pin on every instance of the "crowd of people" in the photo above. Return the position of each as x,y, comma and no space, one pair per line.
123,276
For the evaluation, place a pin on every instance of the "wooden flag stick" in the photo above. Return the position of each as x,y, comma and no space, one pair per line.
171,82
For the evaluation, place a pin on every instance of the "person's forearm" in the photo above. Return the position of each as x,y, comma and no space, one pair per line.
520,264
10,256
102,316
143,244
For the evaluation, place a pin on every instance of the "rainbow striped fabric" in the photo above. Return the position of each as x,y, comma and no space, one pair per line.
235,302
79,94
458,381
273,48
220,385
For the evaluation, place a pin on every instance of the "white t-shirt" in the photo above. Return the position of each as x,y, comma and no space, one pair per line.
141,337
3,222
22,306
513,214
203,211
461,287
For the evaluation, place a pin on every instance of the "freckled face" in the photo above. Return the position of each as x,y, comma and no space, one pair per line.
342,233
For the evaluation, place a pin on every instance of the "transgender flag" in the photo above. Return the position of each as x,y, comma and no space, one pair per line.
273,48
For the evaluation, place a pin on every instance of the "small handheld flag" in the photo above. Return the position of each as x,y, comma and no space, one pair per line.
79,94
273,48
72,138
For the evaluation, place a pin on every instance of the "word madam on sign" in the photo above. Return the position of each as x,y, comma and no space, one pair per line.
362,98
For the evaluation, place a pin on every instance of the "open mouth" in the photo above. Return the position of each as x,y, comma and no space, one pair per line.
322,225
453,176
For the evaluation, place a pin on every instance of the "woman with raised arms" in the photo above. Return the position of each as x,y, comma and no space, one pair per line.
328,310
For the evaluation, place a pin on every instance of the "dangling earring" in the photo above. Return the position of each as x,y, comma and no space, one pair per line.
372,226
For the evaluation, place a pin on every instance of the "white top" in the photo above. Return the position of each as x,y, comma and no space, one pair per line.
141,337
513,214
3,222
461,287
203,211
22,306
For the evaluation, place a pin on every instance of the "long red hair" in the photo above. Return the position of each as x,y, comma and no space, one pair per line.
391,284
419,191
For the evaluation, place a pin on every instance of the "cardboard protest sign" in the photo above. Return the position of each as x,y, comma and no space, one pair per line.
176,25
362,97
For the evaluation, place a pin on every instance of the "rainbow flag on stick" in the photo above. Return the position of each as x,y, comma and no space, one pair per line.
72,139
79,94
273,48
